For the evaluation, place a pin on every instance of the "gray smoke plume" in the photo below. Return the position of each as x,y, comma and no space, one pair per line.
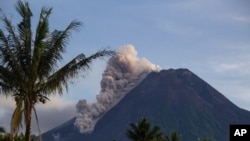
124,71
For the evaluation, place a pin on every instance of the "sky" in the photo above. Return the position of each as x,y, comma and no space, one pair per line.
209,37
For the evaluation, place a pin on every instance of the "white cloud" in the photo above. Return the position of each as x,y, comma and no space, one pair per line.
6,109
56,102
228,66
53,113
239,68
235,90
6,102
242,19
231,58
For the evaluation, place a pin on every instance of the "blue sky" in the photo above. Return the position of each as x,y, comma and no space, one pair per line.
209,37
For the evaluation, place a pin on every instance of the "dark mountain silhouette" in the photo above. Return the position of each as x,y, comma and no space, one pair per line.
175,100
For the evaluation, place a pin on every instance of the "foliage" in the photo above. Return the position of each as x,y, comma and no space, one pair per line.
174,137
206,140
29,60
2,130
20,137
142,131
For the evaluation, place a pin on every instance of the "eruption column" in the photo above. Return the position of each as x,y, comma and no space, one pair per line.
124,71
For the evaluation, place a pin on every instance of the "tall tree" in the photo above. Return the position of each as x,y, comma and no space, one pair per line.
29,63
142,131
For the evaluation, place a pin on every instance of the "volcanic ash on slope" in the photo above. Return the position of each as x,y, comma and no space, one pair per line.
124,71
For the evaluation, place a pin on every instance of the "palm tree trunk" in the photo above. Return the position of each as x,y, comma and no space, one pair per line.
28,124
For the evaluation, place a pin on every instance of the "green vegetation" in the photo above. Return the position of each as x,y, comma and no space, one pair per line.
2,130
29,60
19,137
142,131
174,137
6,136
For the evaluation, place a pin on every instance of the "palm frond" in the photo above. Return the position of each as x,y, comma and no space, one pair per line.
142,131
8,50
23,9
16,120
132,135
58,80
24,27
8,81
42,29
136,129
13,39
42,32
155,132
54,46
25,36
37,123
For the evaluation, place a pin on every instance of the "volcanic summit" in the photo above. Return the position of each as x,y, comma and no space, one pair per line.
176,100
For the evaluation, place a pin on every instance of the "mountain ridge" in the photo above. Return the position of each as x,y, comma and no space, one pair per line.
172,99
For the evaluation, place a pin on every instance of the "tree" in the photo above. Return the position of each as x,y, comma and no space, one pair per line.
142,131
2,130
174,137
206,140
29,69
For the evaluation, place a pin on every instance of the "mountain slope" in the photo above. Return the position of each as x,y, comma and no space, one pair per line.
172,99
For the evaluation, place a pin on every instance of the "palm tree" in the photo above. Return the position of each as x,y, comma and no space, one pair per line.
142,131
29,63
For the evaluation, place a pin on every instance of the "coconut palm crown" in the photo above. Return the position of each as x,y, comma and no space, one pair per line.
29,60
142,131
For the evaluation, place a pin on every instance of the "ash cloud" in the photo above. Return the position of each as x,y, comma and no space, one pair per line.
124,71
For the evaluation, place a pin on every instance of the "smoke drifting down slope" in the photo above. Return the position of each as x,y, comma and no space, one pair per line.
123,72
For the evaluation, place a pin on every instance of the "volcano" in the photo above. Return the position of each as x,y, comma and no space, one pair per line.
175,100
